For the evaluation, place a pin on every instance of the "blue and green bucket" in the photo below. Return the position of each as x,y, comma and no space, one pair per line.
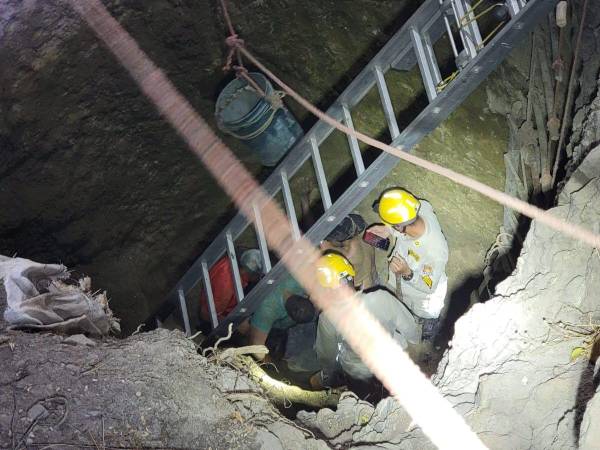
262,122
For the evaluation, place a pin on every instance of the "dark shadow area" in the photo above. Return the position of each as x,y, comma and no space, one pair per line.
501,262
458,303
588,383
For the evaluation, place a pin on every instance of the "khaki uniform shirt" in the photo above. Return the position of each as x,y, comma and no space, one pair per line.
426,256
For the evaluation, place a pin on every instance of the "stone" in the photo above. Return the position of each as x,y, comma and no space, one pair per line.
37,412
79,339
337,426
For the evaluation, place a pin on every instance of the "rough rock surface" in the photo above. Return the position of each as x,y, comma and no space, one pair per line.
510,369
531,92
150,390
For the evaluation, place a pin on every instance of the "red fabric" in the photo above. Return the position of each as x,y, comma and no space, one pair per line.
221,279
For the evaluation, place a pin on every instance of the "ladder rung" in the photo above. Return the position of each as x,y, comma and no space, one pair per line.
386,102
431,58
321,179
235,270
289,204
431,75
450,35
184,313
513,7
209,295
469,32
359,165
262,241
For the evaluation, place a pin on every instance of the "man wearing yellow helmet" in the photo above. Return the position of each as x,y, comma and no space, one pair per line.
333,353
346,239
417,263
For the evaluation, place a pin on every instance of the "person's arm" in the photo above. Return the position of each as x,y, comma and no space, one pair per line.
261,323
257,337
244,328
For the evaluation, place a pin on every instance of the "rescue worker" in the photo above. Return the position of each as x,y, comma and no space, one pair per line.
417,263
287,305
346,238
334,354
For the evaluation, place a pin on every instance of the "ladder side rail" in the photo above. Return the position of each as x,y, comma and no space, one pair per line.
427,120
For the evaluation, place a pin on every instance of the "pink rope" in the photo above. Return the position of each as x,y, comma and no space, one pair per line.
234,43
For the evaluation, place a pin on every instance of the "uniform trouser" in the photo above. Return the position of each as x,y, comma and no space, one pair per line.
326,348
335,355
420,304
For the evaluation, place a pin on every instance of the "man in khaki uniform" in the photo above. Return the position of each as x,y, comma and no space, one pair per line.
333,352
346,238
419,256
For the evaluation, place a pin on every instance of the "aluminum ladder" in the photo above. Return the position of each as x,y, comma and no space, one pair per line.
475,58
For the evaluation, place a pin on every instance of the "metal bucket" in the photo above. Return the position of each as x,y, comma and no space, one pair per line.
267,129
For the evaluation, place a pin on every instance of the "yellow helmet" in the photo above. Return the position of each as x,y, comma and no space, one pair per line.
332,268
398,207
